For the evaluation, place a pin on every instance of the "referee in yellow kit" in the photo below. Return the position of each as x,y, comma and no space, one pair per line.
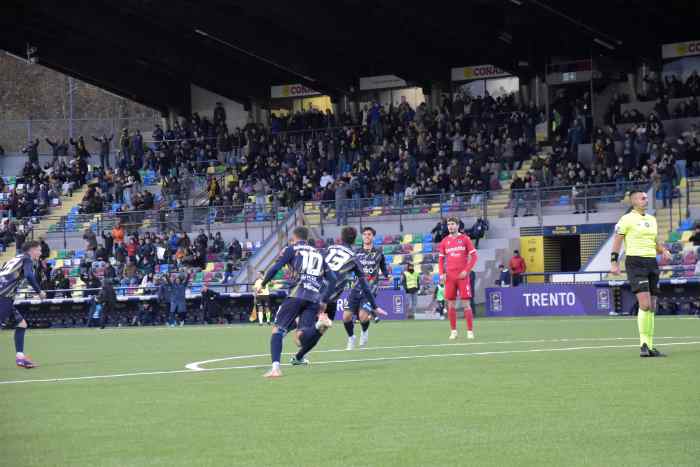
640,234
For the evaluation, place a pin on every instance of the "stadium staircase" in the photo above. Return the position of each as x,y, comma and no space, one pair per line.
499,201
67,204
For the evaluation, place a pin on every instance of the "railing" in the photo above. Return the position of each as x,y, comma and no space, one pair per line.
692,190
669,272
584,198
363,209
265,218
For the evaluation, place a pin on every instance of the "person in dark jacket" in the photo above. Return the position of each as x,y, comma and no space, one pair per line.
108,299
178,303
45,250
210,303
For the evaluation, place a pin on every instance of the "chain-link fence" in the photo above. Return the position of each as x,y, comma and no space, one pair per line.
14,134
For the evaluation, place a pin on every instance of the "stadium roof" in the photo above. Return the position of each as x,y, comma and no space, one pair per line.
151,50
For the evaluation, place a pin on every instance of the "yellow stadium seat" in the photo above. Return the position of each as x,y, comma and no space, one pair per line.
417,259
418,248
59,263
210,267
53,254
436,268
435,208
685,236
398,259
407,238
376,212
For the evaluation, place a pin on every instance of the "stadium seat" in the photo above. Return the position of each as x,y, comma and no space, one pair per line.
198,277
407,248
417,238
396,271
418,248
418,258
388,249
388,239
427,247
428,238
685,236
398,259
407,238
378,240
389,259
436,278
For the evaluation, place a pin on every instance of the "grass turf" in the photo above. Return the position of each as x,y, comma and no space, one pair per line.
593,407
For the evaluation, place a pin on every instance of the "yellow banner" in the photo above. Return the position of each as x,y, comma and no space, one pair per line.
532,250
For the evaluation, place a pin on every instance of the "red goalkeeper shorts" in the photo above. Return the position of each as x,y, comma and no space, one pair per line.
453,284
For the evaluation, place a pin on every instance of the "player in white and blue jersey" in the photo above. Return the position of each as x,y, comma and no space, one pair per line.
13,272
309,270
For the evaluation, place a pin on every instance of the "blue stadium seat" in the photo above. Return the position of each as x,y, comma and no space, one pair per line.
389,259
396,271
427,238
427,247
378,240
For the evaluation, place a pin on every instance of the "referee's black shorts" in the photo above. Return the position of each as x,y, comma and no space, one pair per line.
643,274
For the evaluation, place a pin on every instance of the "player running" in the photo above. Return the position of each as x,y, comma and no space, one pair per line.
11,276
457,258
640,234
308,272
373,262
345,265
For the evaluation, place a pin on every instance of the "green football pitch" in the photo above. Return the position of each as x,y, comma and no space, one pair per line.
540,392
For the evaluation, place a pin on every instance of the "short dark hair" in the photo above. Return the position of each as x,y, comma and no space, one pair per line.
369,229
348,235
516,252
301,232
31,244
454,219
634,192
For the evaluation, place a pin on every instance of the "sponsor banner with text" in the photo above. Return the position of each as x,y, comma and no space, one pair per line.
680,49
477,72
291,90
548,300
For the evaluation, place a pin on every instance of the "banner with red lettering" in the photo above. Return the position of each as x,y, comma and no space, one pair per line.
291,90
548,300
680,49
477,72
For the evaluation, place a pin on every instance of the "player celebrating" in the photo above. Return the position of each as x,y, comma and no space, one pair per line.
344,264
308,271
457,258
373,262
640,234
11,276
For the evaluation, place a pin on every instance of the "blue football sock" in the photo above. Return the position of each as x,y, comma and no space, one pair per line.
19,339
349,328
276,346
309,339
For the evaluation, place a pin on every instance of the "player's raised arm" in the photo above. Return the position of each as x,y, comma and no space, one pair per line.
285,257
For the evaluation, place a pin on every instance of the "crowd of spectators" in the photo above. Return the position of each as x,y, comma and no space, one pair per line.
669,87
143,260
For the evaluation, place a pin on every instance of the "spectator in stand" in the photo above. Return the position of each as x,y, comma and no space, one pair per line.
104,143
695,238
503,276
517,268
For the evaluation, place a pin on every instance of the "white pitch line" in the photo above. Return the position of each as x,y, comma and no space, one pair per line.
213,327
354,360
196,366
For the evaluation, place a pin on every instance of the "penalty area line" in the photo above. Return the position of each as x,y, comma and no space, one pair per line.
328,362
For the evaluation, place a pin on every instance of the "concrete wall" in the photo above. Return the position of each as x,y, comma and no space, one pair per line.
204,101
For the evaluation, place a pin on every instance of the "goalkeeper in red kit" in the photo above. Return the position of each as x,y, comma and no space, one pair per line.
457,258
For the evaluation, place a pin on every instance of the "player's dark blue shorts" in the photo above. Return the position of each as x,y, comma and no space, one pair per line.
7,309
356,302
293,308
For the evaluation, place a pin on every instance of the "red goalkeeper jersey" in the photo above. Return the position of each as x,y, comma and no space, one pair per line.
457,254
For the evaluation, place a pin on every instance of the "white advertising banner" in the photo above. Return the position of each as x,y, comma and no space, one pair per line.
382,82
291,90
680,49
477,72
